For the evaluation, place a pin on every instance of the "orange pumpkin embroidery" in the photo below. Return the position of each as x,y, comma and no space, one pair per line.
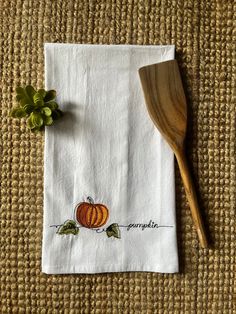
91,215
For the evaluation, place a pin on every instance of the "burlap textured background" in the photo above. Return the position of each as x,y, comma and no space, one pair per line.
204,36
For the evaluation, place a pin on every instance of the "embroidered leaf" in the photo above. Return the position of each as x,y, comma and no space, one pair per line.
69,227
113,231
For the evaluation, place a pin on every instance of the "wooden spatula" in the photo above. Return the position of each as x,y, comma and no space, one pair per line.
166,104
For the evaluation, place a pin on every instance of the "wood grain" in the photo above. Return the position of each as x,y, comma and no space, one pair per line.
166,104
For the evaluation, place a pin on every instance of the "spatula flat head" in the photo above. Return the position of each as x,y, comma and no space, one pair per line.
165,100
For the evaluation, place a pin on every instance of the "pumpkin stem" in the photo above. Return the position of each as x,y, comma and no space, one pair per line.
91,201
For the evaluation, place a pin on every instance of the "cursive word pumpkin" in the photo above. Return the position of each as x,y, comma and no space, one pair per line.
91,215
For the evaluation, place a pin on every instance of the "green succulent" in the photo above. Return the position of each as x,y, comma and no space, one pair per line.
39,107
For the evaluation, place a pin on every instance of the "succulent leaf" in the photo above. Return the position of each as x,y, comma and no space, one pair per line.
42,92
50,95
18,112
28,108
52,105
47,111
48,120
36,119
25,95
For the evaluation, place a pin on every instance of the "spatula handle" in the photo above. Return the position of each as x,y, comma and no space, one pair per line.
192,197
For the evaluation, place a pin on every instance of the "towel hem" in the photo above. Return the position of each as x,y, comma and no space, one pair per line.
94,269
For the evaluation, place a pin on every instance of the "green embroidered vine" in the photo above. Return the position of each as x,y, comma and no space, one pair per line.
70,227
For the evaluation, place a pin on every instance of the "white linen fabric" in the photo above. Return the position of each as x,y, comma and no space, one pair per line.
105,150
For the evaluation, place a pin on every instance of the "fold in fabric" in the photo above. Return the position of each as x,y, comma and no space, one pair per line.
109,196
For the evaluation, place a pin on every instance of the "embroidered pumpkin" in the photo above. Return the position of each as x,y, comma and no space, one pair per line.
91,215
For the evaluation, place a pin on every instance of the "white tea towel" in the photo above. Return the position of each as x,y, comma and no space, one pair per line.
109,197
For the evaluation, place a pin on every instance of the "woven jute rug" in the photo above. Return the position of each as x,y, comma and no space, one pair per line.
204,35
